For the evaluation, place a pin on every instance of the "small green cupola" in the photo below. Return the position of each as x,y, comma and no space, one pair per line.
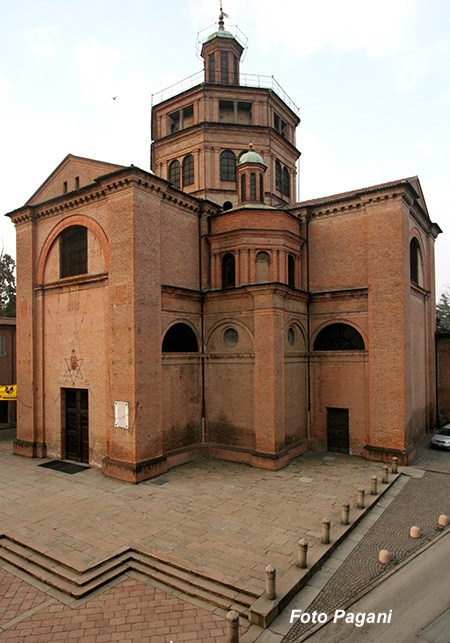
250,177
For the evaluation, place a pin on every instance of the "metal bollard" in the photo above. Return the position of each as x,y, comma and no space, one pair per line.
395,464
233,627
271,591
302,553
385,475
325,531
361,497
345,513
373,485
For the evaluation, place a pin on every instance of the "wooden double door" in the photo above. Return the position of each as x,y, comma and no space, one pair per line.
337,430
77,424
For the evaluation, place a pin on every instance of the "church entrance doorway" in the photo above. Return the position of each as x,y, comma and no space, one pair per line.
77,424
337,430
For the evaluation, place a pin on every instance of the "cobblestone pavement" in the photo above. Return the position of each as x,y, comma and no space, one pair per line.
420,503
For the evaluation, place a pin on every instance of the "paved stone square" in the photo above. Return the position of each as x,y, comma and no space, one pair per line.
215,517
222,519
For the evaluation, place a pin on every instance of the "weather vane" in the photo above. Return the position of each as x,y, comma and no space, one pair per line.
222,14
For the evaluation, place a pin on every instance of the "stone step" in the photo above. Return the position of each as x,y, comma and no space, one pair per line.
189,589
50,578
79,577
78,580
194,583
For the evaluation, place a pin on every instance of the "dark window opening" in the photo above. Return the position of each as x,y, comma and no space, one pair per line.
73,252
65,187
227,166
280,125
227,206
77,182
339,337
235,70
188,170
228,271
414,260
278,176
291,271
261,188
252,186
180,338
212,68
243,188
285,183
224,68
174,173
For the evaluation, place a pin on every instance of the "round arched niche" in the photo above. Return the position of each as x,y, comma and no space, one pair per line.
229,336
180,338
294,338
339,337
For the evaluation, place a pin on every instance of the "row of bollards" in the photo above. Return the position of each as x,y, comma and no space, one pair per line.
384,555
302,560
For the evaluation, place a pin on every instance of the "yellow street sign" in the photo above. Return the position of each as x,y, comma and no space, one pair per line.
8,392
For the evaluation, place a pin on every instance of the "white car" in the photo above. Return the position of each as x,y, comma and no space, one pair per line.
441,439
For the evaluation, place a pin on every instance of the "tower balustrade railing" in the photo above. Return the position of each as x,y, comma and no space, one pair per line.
245,80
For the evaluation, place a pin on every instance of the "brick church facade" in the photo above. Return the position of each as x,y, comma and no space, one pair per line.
200,311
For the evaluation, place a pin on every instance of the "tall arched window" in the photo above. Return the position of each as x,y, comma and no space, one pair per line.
415,262
180,338
228,271
227,166
174,173
73,252
291,271
278,176
285,182
262,267
339,337
188,170
261,188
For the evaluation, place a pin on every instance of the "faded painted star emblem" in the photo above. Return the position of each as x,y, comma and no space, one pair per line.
74,366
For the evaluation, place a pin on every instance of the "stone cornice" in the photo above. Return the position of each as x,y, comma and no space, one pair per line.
104,186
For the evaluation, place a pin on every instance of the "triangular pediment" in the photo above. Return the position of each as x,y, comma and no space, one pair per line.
73,173
415,183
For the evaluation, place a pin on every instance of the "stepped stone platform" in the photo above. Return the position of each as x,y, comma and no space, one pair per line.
207,529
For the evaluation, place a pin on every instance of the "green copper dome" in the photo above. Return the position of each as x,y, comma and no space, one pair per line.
251,157
220,34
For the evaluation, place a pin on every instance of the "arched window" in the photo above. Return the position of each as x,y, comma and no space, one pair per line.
339,337
228,271
180,338
174,173
227,166
73,252
291,271
278,176
415,262
227,206
188,170
285,183
262,267
261,188
243,188
252,186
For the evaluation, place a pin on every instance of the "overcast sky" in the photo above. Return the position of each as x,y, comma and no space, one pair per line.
372,81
